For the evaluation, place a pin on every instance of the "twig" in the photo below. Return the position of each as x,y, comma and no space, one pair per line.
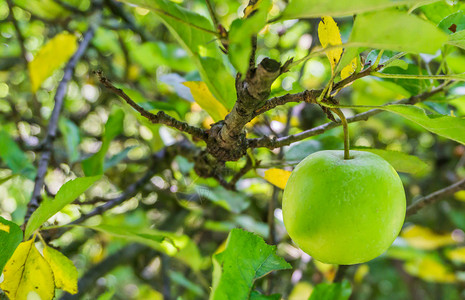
160,118
284,141
435,197
53,123
211,10
117,9
36,103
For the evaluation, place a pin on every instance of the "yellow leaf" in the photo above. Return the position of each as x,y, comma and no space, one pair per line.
457,254
27,274
302,290
277,177
361,272
64,271
424,238
5,227
349,69
206,100
328,270
50,57
429,269
460,195
329,35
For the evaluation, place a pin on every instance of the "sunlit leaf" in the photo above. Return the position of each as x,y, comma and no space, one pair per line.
67,194
94,165
375,30
64,271
297,9
430,269
10,235
27,274
277,177
456,255
301,290
332,291
457,39
206,100
424,238
460,195
14,157
402,162
47,9
51,57
246,258
328,34
241,32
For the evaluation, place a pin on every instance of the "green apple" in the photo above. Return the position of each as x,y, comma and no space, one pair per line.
343,211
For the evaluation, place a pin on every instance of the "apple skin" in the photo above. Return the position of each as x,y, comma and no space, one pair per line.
344,211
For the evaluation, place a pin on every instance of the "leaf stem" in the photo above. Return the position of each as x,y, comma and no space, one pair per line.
345,126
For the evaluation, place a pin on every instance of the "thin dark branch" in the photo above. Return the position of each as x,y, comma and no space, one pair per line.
273,143
117,9
160,118
213,16
310,96
435,197
18,31
53,122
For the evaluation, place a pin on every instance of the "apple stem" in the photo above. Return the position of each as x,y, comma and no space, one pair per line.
345,126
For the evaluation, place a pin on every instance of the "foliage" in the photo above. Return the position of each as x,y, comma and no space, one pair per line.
137,137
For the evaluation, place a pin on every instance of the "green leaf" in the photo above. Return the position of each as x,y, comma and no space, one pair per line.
446,126
298,9
71,136
332,291
240,36
64,271
376,30
47,9
232,201
177,245
457,39
402,162
94,165
11,236
246,258
14,157
196,35
457,19
50,57
67,194
115,159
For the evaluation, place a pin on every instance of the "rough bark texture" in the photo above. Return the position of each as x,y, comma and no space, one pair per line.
227,140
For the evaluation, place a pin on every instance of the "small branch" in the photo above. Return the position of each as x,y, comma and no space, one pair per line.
160,118
211,10
18,31
285,141
117,9
306,96
53,122
435,197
